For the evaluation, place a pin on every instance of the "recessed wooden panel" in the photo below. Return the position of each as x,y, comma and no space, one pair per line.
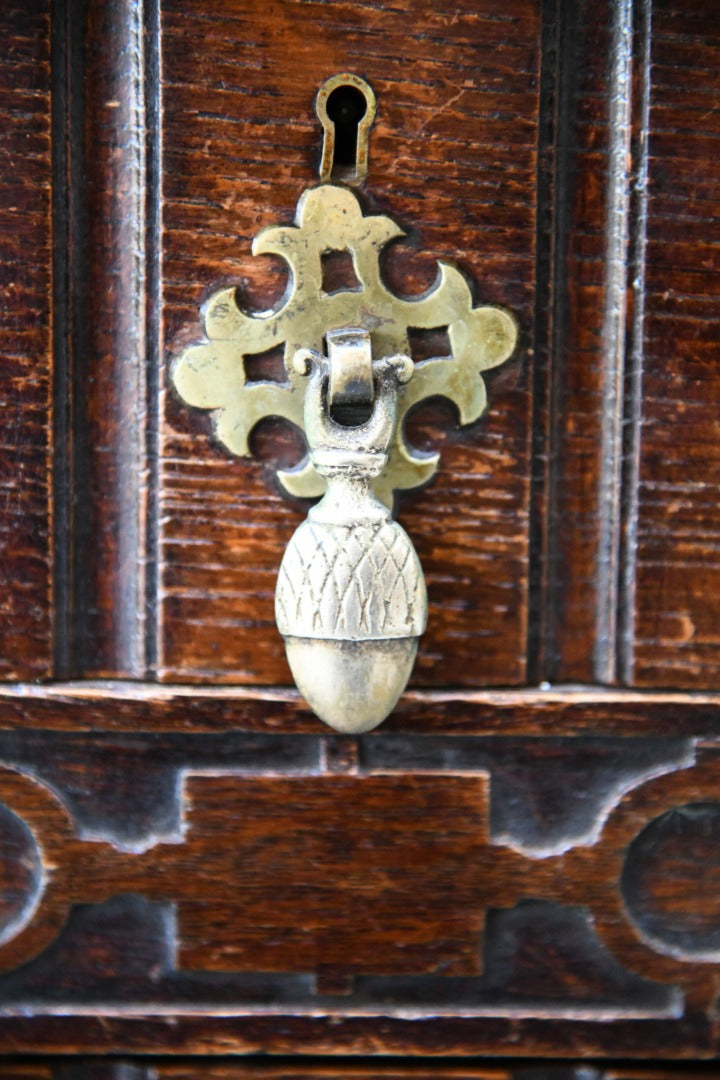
25,342
677,611
386,885
453,158
441,889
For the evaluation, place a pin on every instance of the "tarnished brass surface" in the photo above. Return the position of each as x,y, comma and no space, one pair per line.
212,375
351,376
358,172
350,600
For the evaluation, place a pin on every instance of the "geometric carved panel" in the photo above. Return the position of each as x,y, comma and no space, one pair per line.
361,892
223,861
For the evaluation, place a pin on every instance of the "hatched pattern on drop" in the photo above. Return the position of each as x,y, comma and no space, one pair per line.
351,583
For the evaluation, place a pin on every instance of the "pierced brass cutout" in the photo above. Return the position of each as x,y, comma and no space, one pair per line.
212,375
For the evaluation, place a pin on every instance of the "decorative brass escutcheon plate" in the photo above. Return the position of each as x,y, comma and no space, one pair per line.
351,595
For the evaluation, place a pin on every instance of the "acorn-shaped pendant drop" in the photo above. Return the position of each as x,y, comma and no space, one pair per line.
350,600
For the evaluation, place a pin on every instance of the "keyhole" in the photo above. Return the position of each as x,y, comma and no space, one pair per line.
345,106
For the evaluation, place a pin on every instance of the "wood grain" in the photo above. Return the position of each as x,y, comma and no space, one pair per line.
340,1070
373,897
88,1068
676,639
191,869
590,145
26,630
385,888
134,707
452,158
680,845
107,364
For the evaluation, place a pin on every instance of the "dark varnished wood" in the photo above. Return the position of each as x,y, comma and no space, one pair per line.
26,640
423,915
207,869
453,158
684,840
482,1070
625,510
105,541
104,337
113,596
590,146
133,707
676,639
287,1034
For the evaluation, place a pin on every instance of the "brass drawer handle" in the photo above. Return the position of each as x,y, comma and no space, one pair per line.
351,599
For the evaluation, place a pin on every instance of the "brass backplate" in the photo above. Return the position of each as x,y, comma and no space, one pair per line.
212,375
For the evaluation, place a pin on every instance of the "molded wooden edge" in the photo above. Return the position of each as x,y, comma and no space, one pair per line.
105,220
561,711
314,1068
275,1033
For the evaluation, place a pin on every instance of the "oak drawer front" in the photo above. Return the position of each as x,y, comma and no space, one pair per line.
522,862
393,893
547,152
